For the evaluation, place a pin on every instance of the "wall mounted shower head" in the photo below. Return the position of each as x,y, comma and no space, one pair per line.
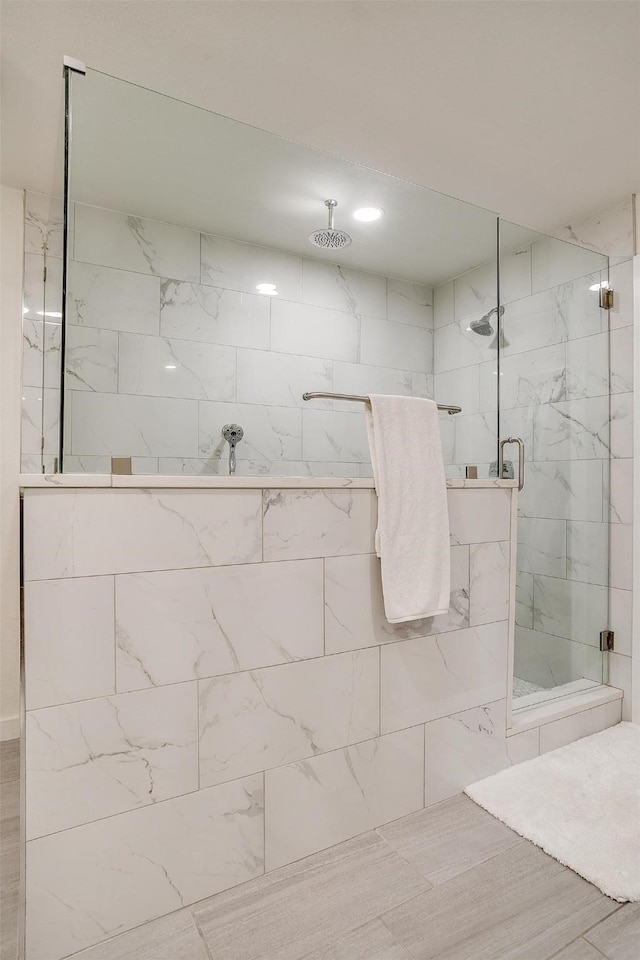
329,238
483,326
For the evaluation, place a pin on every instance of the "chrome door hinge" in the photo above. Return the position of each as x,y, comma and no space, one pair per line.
607,638
606,298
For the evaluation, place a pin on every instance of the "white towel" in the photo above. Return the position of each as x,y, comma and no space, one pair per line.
412,539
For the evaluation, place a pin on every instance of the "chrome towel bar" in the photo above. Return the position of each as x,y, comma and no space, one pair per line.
448,407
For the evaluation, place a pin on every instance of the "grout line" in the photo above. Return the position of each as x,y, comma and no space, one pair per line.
200,933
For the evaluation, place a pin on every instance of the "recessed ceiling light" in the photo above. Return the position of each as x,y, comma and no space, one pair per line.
269,289
367,214
170,366
597,286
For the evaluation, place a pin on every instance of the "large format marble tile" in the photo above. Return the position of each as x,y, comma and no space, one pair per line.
315,803
164,857
461,387
470,746
432,677
568,608
524,600
89,532
476,438
261,719
41,353
270,433
314,331
456,345
43,224
342,288
542,546
518,904
588,552
572,430
621,345
174,937
588,367
191,311
128,426
333,892
489,582
404,346
552,316
551,661
555,261
280,379
42,300
318,523
621,426
609,232
621,619
101,757
363,379
621,280
234,265
537,376
409,303
113,299
621,556
562,490
69,640
584,724
354,606
40,421
91,360
332,435
186,624
476,291
448,838
479,516
156,367
113,239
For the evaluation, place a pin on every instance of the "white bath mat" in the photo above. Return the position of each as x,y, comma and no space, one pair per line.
581,804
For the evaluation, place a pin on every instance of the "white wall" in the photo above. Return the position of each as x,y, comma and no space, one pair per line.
11,232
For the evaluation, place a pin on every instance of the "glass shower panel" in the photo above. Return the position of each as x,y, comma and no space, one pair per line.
555,394
195,300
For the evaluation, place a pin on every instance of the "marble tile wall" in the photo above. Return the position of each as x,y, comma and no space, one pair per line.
213,691
566,388
168,339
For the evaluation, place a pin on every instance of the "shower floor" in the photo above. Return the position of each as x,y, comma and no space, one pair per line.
521,688
447,883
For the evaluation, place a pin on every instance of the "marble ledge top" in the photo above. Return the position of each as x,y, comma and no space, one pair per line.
30,480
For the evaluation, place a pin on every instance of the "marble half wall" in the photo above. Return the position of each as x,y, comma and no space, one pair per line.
213,691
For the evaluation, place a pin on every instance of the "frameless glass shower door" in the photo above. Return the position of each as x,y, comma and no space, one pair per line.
555,394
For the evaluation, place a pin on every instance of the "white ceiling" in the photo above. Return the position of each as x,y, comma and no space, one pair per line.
527,108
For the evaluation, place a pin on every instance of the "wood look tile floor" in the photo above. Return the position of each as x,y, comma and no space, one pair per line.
447,883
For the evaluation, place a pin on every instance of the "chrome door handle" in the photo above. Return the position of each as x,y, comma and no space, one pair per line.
520,443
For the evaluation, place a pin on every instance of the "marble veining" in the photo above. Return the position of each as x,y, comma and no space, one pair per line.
189,624
94,881
265,718
97,758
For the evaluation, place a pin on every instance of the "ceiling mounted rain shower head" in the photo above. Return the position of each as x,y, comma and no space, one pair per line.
329,238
